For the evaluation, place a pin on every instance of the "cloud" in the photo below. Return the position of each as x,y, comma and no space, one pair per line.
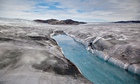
83,10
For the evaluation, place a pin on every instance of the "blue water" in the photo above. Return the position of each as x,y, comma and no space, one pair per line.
93,68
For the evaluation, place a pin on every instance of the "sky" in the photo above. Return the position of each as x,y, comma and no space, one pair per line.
81,10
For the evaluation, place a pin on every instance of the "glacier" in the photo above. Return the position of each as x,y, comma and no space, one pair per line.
26,47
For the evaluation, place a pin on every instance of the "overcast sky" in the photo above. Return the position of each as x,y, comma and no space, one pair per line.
82,10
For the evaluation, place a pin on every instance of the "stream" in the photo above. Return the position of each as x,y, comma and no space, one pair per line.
93,68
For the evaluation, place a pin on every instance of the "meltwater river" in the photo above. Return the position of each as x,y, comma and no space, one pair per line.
93,68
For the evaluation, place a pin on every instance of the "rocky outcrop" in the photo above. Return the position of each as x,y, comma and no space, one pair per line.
60,22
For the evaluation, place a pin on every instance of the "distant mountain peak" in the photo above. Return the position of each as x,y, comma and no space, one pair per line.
132,21
60,22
